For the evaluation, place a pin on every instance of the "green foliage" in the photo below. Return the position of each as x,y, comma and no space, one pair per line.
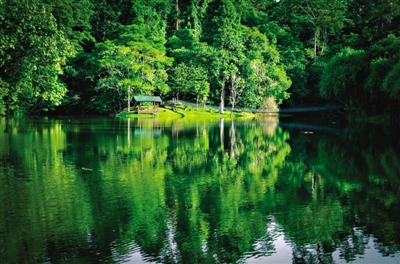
191,80
343,76
150,13
364,79
133,63
3,94
108,15
264,74
391,83
248,49
73,18
317,19
33,51
292,58
183,38
370,22
385,58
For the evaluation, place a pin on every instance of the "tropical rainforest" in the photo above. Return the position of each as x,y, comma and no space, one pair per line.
90,56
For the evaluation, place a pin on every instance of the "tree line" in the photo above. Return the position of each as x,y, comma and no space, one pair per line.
90,56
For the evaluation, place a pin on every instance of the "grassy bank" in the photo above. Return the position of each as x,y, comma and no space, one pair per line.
167,112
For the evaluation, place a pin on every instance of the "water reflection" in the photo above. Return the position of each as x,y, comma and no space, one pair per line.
86,190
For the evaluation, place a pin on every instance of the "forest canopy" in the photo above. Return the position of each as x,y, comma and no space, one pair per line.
90,56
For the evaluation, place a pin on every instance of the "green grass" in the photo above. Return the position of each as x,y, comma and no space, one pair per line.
167,112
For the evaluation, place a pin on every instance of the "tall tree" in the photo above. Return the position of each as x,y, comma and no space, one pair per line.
33,52
191,80
265,75
132,63
319,17
341,78
226,38
292,58
370,21
385,60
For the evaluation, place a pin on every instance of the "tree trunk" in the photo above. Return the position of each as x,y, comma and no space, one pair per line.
129,99
221,105
315,44
177,14
233,92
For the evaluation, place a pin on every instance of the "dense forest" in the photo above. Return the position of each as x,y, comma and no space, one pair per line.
90,56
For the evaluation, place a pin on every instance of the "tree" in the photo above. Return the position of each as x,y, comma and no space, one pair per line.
191,79
3,94
369,22
292,57
323,17
191,74
262,70
341,78
391,83
33,53
36,40
132,63
237,87
225,36
384,74
151,14
364,80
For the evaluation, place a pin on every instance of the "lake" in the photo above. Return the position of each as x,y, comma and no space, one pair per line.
111,190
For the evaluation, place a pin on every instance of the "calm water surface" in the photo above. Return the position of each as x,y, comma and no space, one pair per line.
109,190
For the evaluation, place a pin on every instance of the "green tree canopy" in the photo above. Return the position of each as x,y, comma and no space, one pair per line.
134,62
33,53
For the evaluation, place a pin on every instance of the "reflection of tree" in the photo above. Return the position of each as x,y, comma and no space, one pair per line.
187,199
354,245
133,177
346,189
144,177
215,194
38,216
75,200
232,134
317,254
221,132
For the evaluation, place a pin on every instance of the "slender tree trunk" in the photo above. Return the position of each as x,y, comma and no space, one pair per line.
129,99
221,105
233,92
315,44
177,14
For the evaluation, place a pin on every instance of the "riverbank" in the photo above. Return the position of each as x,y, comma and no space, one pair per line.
185,111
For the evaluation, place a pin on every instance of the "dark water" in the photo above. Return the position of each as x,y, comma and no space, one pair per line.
109,190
